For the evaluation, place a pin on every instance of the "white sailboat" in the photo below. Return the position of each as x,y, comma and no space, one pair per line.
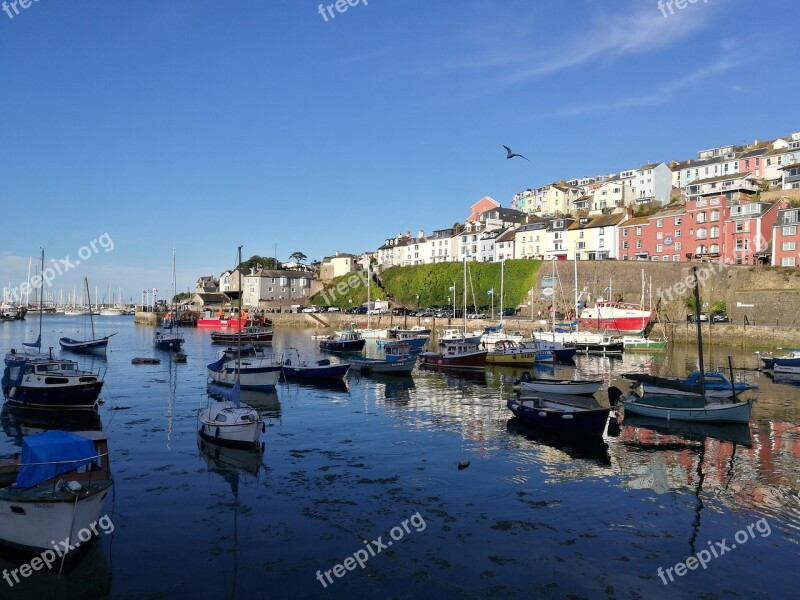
369,333
229,421
168,337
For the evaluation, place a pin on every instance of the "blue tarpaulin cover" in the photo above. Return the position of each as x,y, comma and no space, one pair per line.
218,366
46,455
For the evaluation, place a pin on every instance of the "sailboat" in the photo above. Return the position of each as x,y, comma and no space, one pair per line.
168,337
693,401
455,335
91,345
230,422
257,370
368,332
491,335
37,380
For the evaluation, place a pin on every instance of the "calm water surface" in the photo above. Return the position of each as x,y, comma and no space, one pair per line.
532,516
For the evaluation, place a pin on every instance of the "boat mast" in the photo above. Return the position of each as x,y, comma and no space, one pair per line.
575,276
699,332
28,290
502,277
41,307
89,300
465,296
239,337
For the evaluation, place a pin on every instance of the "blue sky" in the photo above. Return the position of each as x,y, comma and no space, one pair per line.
203,125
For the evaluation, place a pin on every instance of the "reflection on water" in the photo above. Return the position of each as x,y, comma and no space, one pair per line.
18,421
349,462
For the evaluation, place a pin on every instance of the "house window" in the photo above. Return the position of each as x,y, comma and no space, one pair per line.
625,232
678,220
638,243
602,231
676,257
625,245
665,258
678,246
739,227
601,244
788,261
715,232
660,223
701,217
714,249
789,230
659,248
714,215
292,289
269,289
789,246
638,231
701,233
678,233
659,235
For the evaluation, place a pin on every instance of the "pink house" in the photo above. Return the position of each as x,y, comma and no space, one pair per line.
481,206
785,238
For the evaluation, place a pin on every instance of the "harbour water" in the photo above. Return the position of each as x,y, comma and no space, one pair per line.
370,470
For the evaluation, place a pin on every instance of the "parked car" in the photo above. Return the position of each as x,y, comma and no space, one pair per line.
703,318
507,312
401,310
313,309
376,311
477,315
720,318
333,309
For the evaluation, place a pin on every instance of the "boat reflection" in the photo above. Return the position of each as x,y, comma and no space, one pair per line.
225,460
736,433
85,574
265,402
588,447
19,421
457,378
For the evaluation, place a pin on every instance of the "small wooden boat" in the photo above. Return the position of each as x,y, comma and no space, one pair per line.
456,355
301,370
685,407
143,360
343,341
94,345
397,360
252,334
565,413
574,387
633,343
55,489
769,360
453,334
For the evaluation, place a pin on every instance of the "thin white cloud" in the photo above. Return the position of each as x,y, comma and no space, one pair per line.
662,94
610,36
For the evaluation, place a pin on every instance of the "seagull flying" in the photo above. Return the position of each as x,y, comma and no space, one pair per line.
511,154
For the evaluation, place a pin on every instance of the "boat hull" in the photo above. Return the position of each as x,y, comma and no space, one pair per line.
342,346
567,417
315,372
82,396
83,346
520,359
561,386
252,376
378,366
473,360
735,412
234,431
44,518
234,338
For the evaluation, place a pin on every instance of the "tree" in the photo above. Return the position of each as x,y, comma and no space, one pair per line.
720,307
298,257
260,262
179,297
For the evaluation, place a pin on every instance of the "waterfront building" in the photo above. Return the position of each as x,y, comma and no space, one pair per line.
785,238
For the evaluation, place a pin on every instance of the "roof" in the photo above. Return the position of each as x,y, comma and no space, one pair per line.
745,175
649,166
600,221
508,236
280,273
636,221
213,297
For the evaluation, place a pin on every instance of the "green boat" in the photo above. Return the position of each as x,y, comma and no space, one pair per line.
641,344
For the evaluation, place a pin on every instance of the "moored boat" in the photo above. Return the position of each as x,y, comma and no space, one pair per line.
456,355
716,385
454,334
414,341
255,371
343,341
615,316
633,343
511,354
55,489
250,333
565,413
574,387
686,407
296,369
397,360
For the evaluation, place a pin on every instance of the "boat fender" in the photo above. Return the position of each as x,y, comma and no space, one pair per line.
440,362
263,428
216,433
542,414
567,417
